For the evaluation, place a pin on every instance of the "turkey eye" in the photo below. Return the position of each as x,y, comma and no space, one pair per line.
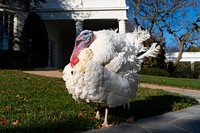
72,72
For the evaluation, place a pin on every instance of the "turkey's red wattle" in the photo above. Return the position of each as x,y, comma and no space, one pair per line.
74,61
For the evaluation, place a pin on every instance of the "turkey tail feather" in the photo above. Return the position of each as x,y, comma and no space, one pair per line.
151,52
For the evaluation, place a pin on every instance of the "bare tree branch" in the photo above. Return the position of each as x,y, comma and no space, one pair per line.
22,4
168,15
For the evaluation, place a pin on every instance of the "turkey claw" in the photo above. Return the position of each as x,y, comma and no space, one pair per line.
106,125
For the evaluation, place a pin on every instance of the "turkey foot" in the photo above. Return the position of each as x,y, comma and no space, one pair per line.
130,120
105,123
97,115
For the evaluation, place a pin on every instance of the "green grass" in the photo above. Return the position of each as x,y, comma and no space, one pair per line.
179,82
30,103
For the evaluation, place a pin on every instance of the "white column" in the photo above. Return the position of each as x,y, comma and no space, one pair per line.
192,65
15,33
122,2
79,26
122,26
78,3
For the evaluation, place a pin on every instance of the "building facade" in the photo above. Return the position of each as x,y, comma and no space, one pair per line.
186,57
64,19
11,23
191,57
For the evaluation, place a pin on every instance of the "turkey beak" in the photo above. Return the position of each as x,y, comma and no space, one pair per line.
78,40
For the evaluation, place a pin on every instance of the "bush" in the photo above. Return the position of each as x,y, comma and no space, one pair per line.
34,41
159,60
183,70
5,60
197,70
14,59
154,72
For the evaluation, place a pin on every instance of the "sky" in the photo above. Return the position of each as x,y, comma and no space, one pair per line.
190,16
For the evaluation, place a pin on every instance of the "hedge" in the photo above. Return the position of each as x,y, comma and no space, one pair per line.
154,72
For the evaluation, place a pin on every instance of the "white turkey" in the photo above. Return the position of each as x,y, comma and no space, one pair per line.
104,66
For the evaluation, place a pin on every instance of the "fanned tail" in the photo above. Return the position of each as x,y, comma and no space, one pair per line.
151,52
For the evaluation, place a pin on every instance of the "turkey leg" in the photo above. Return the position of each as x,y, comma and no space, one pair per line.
97,115
105,123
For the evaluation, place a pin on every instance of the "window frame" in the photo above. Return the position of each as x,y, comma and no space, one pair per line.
6,30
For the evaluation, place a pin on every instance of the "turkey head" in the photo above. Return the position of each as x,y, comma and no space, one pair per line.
83,40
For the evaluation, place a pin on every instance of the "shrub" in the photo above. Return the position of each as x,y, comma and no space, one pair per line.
5,59
154,72
34,41
197,70
183,70
14,59
159,60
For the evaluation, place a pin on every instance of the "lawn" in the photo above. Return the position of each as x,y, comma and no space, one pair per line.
179,82
30,103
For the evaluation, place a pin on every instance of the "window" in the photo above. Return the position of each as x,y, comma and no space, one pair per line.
6,30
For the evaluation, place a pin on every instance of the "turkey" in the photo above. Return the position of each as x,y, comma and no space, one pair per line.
104,66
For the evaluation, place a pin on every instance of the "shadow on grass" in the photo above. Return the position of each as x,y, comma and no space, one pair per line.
76,124
153,105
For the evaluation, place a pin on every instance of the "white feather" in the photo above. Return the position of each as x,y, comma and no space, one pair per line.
107,70
151,52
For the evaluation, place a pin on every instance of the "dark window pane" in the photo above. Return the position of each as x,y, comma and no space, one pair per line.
6,30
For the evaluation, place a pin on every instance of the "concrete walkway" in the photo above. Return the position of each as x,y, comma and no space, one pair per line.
182,121
48,73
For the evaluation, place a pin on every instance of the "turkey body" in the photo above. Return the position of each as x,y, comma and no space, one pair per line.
107,69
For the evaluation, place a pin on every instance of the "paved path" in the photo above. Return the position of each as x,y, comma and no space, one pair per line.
187,92
48,73
182,121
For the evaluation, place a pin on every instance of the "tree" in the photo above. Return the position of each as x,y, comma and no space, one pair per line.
25,5
155,62
172,48
193,49
34,42
168,16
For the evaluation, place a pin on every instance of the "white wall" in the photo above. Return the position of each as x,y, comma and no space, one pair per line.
77,4
83,9
186,57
